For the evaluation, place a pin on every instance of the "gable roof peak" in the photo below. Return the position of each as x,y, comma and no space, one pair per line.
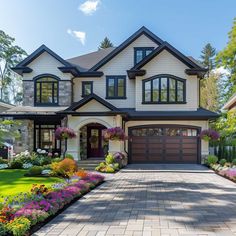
126,43
43,48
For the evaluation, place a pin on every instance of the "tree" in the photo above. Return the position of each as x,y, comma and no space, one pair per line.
9,129
10,55
209,98
227,59
106,43
208,57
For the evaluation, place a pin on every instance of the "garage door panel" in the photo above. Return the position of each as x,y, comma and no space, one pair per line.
164,147
172,151
189,145
155,145
172,140
138,145
191,151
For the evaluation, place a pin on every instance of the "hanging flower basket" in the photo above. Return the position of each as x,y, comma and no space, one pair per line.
63,133
209,135
114,134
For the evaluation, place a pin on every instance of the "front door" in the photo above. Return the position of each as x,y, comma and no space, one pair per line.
95,141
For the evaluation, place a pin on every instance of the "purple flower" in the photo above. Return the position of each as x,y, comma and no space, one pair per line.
62,133
209,134
116,133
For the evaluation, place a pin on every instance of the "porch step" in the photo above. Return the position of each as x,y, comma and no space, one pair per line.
89,164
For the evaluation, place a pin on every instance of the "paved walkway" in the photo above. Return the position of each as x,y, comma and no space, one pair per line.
154,200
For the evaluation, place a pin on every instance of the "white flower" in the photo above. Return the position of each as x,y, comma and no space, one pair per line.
43,152
46,172
3,166
39,150
27,165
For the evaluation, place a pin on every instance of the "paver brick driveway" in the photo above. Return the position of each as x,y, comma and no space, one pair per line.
153,200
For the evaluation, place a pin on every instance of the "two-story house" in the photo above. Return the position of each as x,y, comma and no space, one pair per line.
145,85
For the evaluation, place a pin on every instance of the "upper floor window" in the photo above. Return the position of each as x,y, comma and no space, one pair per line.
140,53
46,91
116,87
87,88
164,89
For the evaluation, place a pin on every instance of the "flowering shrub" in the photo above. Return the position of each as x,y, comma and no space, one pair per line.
65,168
62,133
230,173
38,205
209,134
27,165
115,133
81,173
39,189
35,216
6,214
18,226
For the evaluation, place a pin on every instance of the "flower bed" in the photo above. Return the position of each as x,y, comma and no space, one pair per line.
24,216
222,167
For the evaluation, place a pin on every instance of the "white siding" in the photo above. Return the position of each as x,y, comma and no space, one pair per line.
93,106
116,66
46,64
166,63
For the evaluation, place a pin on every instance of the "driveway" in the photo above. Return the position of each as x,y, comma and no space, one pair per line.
153,200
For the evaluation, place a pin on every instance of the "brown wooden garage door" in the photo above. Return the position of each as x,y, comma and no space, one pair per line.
164,144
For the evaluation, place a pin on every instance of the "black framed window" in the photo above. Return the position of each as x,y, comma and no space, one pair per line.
116,87
45,137
46,91
141,52
87,88
164,89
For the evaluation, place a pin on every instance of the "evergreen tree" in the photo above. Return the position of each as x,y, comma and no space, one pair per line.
208,57
106,43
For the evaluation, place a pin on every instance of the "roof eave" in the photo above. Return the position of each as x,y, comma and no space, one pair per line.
133,73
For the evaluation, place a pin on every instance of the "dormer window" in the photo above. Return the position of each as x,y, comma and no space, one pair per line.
164,89
141,52
46,91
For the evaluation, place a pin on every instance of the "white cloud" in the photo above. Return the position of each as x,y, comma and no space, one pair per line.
89,7
80,35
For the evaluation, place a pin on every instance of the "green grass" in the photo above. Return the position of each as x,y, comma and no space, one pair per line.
14,181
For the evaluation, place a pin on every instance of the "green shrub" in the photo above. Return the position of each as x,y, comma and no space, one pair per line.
211,159
69,156
19,226
3,230
234,161
34,171
116,166
16,164
2,161
222,162
110,159
109,169
58,159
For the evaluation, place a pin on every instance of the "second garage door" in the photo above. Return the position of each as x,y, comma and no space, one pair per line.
155,144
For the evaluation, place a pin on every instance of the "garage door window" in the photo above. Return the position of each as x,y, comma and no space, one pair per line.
164,132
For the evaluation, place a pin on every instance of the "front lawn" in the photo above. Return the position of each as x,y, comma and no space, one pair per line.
14,181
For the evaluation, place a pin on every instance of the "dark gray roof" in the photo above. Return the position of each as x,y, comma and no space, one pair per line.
199,114
87,61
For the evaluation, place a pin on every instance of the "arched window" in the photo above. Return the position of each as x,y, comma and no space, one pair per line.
164,89
46,91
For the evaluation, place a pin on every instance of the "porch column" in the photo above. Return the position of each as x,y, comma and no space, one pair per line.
73,146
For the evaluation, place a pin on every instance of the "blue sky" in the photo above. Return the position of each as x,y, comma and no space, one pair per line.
74,27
